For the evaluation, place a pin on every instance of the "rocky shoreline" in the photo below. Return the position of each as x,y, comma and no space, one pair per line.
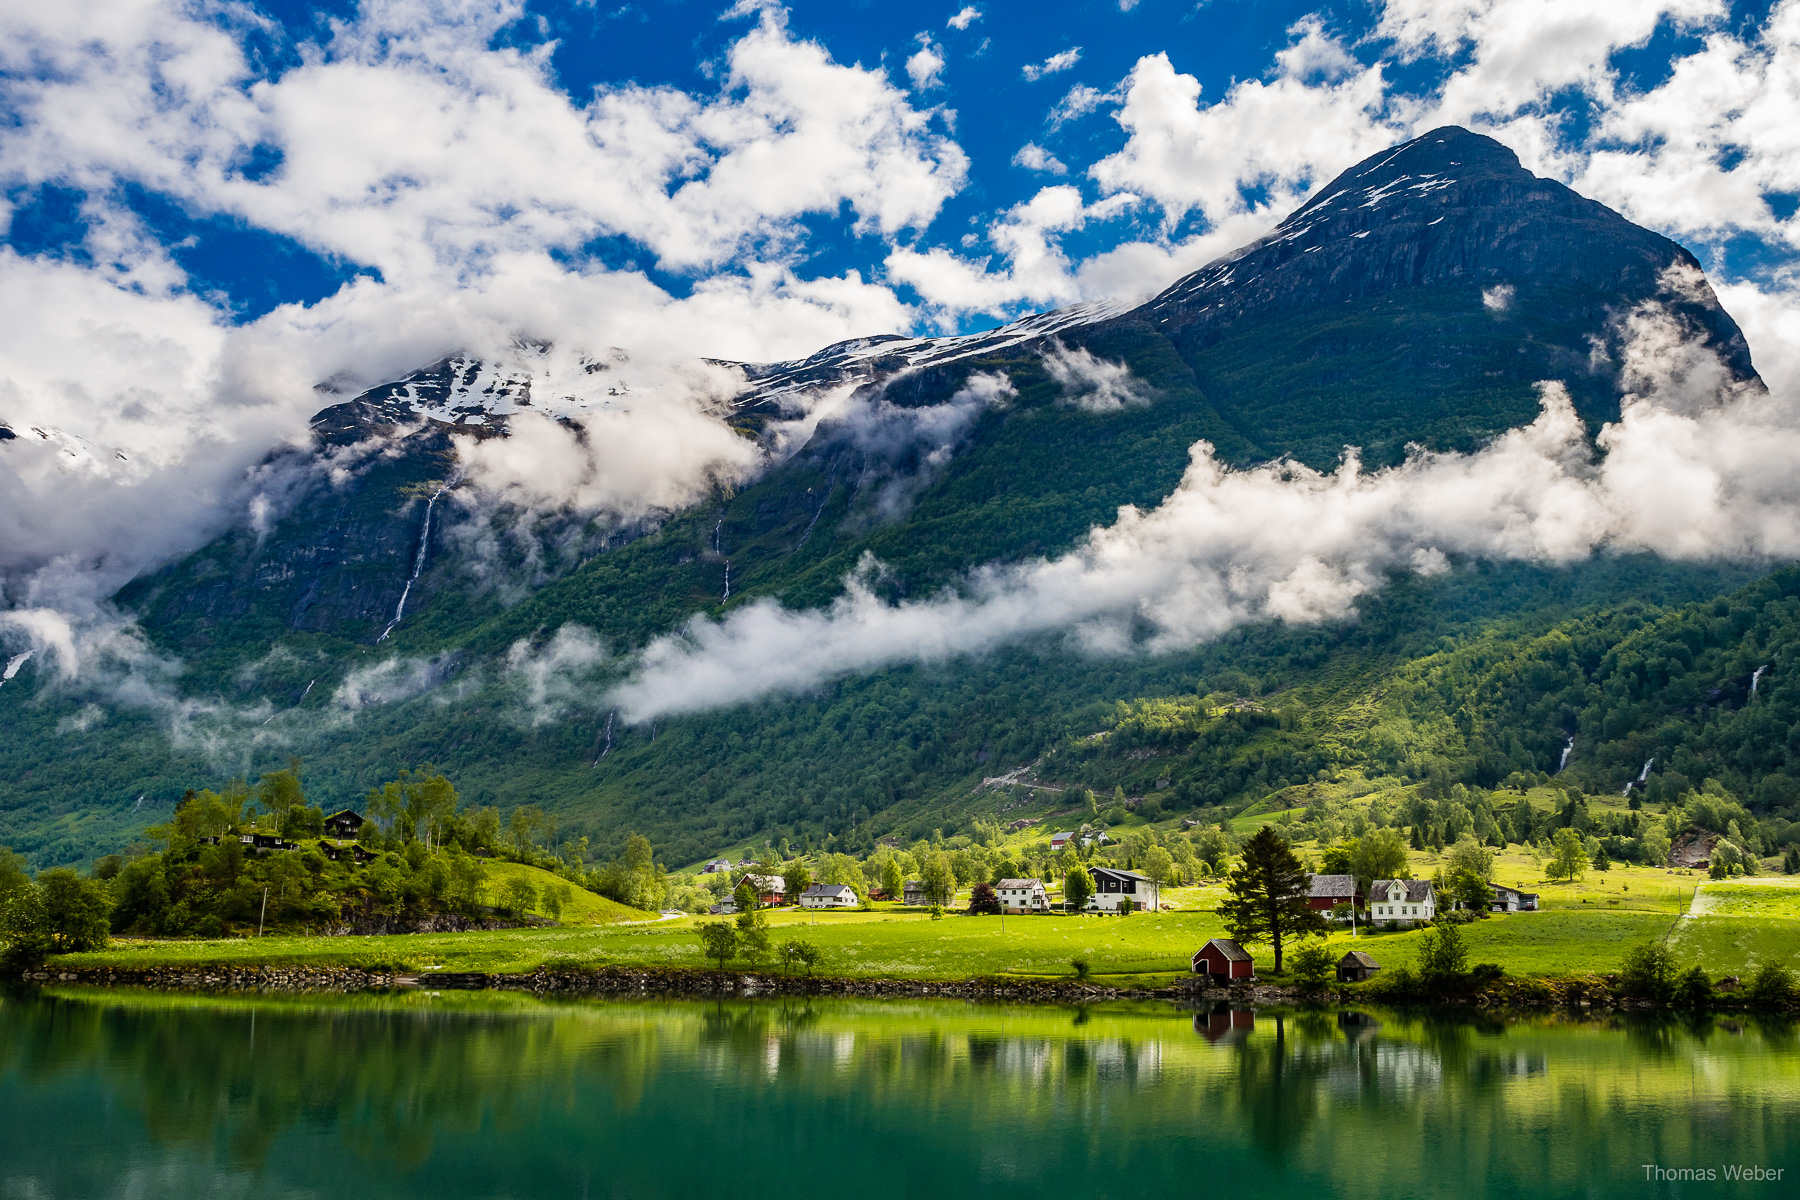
1574,994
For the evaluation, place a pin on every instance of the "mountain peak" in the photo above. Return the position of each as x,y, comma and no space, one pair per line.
1430,162
1450,210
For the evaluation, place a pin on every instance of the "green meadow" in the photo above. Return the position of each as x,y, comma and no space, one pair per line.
1576,935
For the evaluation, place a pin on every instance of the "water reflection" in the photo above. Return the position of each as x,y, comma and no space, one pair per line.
478,1095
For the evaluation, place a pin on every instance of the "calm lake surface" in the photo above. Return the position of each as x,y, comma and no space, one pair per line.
146,1095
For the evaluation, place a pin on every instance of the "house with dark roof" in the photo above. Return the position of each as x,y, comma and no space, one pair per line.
1403,901
345,824
1224,960
769,889
1329,891
828,895
1355,967
913,892
1118,890
1508,899
1022,895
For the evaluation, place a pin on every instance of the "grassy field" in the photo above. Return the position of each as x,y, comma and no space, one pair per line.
583,907
1736,927
1144,949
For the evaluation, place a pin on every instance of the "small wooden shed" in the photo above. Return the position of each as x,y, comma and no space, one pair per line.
1355,967
1223,958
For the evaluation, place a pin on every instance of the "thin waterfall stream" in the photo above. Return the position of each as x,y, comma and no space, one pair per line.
418,564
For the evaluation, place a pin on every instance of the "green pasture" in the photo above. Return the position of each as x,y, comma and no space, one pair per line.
581,908
1143,949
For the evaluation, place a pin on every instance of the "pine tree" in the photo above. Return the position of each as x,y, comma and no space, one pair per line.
1266,894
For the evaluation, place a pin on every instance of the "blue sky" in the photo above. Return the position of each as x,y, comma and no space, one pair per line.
984,102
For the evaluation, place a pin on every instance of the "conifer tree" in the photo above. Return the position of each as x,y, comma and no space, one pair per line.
1266,894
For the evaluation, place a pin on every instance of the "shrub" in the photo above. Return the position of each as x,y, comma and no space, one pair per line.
797,953
1648,973
1772,987
719,940
983,900
1081,966
1313,965
1693,990
1443,956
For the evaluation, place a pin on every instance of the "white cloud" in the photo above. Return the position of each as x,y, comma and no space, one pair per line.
1260,149
558,676
1036,271
1094,384
1034,157
1077,103
1062,60
925,68
964,18
1690,470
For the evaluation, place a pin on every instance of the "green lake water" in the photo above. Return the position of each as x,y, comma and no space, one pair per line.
479,1095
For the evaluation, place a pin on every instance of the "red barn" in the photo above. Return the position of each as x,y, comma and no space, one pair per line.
1223,958
1329,891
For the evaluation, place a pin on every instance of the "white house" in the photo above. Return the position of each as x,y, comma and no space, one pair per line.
1113,887
1404,901
828,895
1022,895
715,866
1512,899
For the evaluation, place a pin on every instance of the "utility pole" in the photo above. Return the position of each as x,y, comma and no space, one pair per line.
263,913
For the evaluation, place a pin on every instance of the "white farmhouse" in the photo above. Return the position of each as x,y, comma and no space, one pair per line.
1022,895
1113,887
828,895
1403,901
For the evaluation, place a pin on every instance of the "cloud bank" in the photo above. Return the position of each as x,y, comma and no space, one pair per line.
1695,468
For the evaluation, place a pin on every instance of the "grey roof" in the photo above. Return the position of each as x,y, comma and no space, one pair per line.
1501,887
1417,890
1120,872
768,883
1020,883
1358,958
829,889
1324,886
1230,949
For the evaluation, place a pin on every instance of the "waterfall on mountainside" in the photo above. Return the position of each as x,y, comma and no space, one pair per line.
1567,750
418,564
607,734
1755,677
296,704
